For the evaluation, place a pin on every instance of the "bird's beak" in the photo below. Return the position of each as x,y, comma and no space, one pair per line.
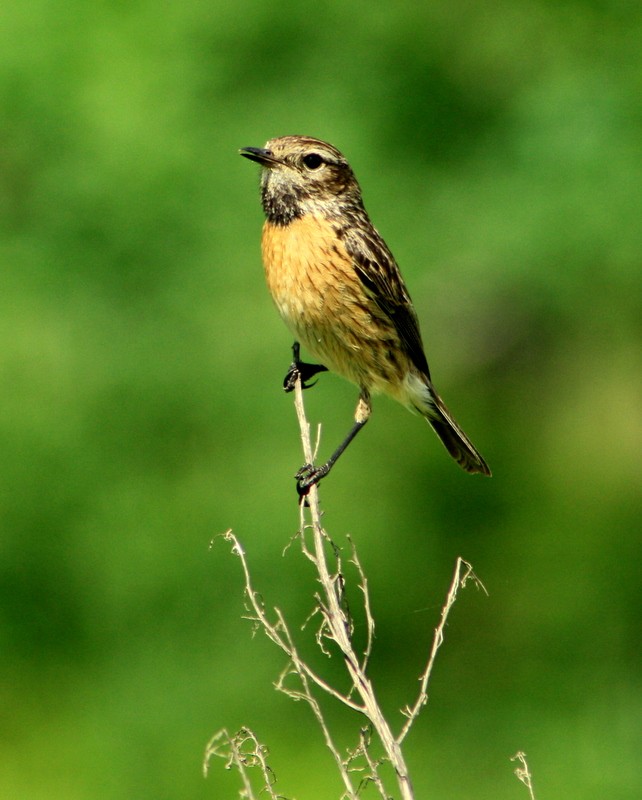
259,154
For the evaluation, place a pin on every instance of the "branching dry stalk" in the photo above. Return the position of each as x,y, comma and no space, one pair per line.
523,773
458,581
244,752
339,626
335,630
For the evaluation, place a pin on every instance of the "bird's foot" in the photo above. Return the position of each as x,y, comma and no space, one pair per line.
308,476
299,369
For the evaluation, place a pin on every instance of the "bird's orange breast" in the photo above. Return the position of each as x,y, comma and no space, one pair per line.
321,299
307,269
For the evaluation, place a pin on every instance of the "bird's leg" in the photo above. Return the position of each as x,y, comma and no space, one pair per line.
300,368
308,475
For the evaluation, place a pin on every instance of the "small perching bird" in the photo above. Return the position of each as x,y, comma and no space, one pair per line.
339,290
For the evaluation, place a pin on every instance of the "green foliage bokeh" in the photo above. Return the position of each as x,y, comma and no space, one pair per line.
498,147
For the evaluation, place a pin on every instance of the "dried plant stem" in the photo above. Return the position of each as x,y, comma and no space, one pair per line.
339,625
243,750
279,633
523,773
458,581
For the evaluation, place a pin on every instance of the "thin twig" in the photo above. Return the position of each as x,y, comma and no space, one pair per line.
245,752
458,581
335,629
278,632
370,623
300,670
339,625
371,769
524,773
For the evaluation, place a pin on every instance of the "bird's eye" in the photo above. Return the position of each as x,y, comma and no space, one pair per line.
312,160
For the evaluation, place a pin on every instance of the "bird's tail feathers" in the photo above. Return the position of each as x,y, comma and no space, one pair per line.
452,436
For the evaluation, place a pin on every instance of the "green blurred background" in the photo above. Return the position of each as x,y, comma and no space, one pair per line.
499,146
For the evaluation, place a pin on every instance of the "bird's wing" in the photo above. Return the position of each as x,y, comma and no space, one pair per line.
378,272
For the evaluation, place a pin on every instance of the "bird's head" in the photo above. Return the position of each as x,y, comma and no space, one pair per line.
302,175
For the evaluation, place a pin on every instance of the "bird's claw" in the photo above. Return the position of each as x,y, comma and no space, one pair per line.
299,369
294,373
308,476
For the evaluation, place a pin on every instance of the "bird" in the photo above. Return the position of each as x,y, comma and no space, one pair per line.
339,290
